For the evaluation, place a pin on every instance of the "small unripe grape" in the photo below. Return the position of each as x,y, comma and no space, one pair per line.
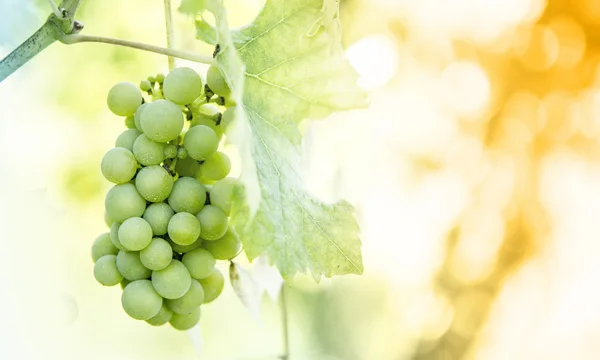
123,201
188,195
213,222
164,316
162,121
185,322
154,183
106,272
216,167
140,300
147,151
103,246
216,81
145,85
124,98
127,138
160,78
213,285
182,153
170,151
118,165
158,216
184,228
129,122
200,142
135,234
137,117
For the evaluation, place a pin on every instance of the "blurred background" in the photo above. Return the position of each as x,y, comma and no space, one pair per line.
475,173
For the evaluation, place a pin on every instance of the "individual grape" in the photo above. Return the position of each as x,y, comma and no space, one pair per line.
137,117
208,115
135,234
145,85
213,285
182,86
114,236
108,220
188,195
163,316
213,222
216,167
157,255
225,248
124,283
105,271
182,153
185,322
216,82
152,79
220,194
148,152
184,228
160,78
158,216
127,138
103,246
154,183
182,249
118,165
199,262
140,300
170,151
201,142
162,121
129,122
187,167
173,281
123,201
228,117
130,265
188,302
124,98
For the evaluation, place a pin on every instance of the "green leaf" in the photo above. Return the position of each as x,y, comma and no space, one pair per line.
191,7
286,67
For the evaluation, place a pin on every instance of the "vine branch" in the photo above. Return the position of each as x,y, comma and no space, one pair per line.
80,38
170,32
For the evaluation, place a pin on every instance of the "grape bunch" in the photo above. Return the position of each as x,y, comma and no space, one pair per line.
169,206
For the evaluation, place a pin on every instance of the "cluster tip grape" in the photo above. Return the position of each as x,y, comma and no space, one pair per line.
168,210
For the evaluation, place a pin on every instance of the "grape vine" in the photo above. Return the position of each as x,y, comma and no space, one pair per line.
172,211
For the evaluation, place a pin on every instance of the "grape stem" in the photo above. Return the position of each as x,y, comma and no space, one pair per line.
284,325
170,32
80,38
55,9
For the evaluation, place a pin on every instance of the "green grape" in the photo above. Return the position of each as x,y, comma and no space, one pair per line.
170,151
182,153
145,85
103,246
105,271
130,265
147,151
188,302
184,228
157,255
151,79
129,122
200,142
140,300
154,183
158,216
135,234
118,165
199,262
163,316
225,248
213,222
162,121
208,115
127,138
182,249
185,322
220,194
228,117
213,285
160,78
123,201
182,86
114,236
124,283
173,281
187,167
108,220
216,82
124,98
188,195
137,117
216,167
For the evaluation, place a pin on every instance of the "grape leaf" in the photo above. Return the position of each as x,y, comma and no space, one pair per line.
285,67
